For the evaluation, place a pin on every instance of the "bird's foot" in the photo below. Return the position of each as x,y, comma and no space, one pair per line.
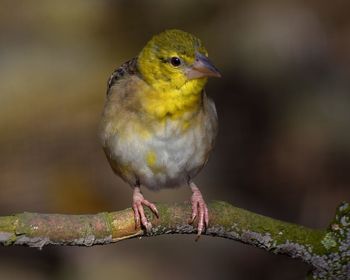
139,213
200,209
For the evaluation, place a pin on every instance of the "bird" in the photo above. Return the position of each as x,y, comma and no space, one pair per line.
158,126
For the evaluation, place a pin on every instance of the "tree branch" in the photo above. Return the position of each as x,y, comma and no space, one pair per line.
327,251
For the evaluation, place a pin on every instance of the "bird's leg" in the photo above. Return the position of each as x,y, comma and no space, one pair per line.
199,208
137,205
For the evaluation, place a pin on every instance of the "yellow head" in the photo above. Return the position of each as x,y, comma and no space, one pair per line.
173,58
176,65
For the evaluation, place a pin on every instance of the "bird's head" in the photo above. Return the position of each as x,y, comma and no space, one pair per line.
173,59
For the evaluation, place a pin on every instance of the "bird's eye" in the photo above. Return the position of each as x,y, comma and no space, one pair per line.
175,61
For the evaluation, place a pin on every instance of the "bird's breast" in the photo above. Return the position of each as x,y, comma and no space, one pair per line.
163,157
162,149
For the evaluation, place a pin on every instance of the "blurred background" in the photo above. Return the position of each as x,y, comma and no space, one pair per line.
283,148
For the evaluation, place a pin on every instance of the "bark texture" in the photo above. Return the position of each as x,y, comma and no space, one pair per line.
327,251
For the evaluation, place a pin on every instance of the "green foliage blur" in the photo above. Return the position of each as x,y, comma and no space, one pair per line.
283,148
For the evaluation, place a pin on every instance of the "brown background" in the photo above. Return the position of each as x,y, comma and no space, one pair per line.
283,149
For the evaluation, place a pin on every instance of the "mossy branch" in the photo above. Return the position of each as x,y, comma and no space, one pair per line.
327,251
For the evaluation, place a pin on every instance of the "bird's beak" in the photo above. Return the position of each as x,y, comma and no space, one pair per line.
202,67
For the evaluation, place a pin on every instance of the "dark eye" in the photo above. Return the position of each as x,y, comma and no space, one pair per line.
175,61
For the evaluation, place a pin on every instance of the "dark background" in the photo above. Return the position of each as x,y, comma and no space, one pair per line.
283,148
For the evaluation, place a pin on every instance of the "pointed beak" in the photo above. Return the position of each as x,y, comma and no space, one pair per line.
202,67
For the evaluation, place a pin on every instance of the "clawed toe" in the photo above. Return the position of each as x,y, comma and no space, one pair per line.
139,213
199,209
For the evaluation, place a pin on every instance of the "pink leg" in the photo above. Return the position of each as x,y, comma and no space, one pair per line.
137,206
199,208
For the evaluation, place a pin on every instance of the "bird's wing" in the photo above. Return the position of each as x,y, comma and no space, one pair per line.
128,68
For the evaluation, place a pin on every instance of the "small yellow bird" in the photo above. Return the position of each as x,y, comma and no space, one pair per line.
158,126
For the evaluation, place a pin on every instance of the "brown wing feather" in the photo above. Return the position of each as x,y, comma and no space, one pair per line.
128,68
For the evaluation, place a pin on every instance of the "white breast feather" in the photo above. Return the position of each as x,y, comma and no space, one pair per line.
177,155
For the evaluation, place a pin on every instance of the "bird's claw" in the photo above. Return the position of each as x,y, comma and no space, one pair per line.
200,210
139,213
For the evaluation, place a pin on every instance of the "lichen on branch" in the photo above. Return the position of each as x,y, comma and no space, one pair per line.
327,251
